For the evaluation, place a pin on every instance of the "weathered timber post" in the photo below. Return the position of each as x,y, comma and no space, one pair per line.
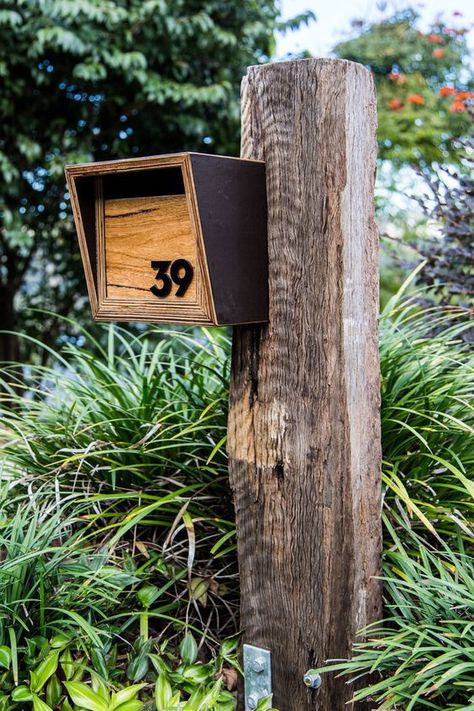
304,435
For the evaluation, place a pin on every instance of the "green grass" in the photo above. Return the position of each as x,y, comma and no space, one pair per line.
421,655
427,414
116,503
133,434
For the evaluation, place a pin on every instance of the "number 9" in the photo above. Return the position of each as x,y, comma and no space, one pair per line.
185,280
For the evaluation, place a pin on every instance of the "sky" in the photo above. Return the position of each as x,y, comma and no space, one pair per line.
334,16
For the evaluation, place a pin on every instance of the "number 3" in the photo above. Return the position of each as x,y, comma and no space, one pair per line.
182,280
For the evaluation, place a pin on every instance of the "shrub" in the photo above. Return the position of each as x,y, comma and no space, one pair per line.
421,655
423,650
449,268
125,448
427,413
118,521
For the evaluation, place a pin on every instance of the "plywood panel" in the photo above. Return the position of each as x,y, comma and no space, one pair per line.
139,231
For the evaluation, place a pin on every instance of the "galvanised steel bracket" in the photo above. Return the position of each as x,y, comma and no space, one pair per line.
257,675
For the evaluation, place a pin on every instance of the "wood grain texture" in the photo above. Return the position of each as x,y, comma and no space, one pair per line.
304,432
139,231
134,231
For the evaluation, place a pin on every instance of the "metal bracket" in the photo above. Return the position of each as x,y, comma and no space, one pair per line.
257,675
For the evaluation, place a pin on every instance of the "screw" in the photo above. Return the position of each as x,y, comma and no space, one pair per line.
252,702
312,679
258,665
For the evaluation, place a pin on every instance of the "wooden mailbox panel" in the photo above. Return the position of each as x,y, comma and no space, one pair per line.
176,239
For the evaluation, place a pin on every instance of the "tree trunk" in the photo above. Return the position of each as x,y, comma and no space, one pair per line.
304,432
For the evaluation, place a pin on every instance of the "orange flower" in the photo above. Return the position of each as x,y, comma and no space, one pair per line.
395,104
399,78
435,39
415,99
457,107
438,53
447,90
463,95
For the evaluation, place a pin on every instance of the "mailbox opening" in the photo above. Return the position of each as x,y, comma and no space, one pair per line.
143,220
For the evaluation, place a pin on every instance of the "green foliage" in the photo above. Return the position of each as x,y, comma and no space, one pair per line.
39,672
101,699
423,651
427,413
185,683
124,445
48,566
87,80
130,440
421,85
449,268
116,527
421,655
52,675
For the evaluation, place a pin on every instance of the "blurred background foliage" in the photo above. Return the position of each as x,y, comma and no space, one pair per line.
425,103
423,82
86,80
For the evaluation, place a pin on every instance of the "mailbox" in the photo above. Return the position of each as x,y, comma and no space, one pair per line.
173,238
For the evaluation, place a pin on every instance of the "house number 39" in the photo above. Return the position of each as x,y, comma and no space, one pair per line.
180,273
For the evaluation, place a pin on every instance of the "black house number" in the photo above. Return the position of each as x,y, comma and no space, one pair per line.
180,273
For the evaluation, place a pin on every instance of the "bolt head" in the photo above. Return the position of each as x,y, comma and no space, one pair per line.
258,665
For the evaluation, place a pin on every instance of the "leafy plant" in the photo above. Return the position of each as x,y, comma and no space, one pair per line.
51,674
97,697
423,650
427,413
449,269
421,655
422,95
125,446
185,683
34,674
133,434
52,578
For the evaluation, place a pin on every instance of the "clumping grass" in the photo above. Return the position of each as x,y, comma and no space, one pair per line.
133,434
421,655
116,508
53,579
428,414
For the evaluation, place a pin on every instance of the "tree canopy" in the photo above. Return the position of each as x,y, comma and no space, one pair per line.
87,80
423,84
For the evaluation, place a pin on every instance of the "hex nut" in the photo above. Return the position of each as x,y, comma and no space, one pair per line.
312,680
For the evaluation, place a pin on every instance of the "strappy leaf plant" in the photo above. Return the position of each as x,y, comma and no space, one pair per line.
133,433
421,655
